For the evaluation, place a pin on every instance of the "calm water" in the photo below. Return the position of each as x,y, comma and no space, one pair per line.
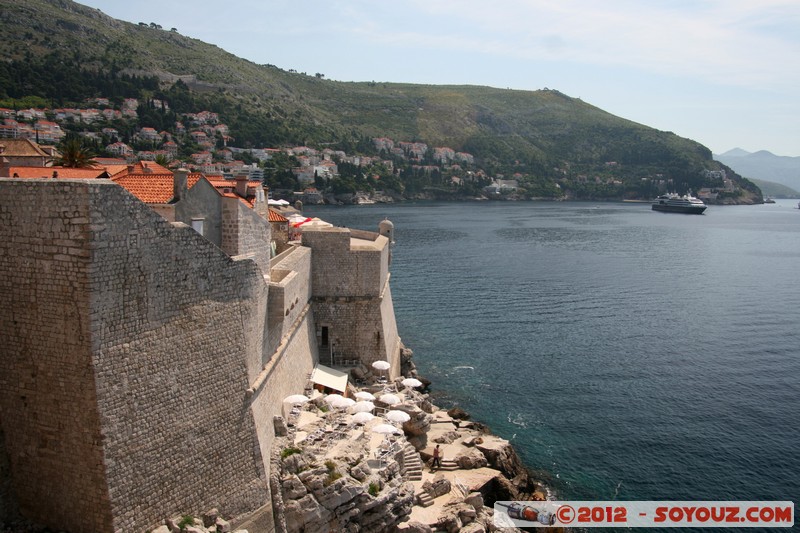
631,354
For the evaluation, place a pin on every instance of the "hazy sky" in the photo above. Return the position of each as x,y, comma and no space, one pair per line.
725,73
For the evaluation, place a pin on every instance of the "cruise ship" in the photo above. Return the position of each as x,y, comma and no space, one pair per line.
674,203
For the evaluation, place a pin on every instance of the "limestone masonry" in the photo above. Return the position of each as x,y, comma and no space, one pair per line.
143,363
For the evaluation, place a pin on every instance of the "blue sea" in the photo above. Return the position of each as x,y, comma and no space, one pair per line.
627,354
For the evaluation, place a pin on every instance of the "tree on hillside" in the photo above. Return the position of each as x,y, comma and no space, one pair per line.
75,154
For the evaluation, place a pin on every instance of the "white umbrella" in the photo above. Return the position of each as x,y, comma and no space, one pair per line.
330,398
385,429
364,395
381,365
411,382
296,399
397,416
390,399
342,403
362,418
363,407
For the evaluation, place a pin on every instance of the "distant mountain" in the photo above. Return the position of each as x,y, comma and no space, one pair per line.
763,165
775,190
64,52
736,152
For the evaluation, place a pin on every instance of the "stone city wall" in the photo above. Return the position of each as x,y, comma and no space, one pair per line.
140,375
290,292
176,323
362,329
129,340
342,270
285,374
48,401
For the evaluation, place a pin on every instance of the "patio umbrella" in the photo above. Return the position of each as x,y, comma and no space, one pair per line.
342,403
390,399
385,429
330,398
364,395
363,407
362,418
296,399
381,365
397,416
411,382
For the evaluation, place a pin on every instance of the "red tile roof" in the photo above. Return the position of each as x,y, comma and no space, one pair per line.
153,188
274,216
150,188
47,172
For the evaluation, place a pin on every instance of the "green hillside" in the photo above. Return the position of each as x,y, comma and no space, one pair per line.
60,50
775,190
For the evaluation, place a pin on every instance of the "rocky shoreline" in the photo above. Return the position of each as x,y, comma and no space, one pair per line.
342,486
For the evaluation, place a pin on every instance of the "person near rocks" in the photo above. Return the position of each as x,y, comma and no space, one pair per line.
436,458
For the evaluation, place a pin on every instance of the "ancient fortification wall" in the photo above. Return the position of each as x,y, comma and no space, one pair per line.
290,292
340,270
129,339
143,365
292,341
174,324
48,399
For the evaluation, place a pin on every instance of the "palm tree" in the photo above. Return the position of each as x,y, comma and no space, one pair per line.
162,160
75,155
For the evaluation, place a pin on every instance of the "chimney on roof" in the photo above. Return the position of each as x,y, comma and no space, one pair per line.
241,185
180,184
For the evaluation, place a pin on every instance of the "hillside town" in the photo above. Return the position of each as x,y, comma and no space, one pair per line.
202,143
116,134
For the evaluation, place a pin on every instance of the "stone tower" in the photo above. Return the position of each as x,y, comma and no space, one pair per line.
351,297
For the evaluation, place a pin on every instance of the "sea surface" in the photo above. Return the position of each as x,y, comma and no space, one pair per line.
627,354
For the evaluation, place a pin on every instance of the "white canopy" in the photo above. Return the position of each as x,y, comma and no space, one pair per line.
397,416
362,418
296,399
364,395
328,377
330,398
385,429
342,403
363,407
411,382
390,399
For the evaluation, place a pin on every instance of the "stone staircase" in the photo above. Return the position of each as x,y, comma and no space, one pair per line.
448,465
424,499
412,464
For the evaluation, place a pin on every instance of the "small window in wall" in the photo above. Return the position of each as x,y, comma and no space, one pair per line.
197,225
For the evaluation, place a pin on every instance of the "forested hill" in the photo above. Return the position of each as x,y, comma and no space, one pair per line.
64,52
